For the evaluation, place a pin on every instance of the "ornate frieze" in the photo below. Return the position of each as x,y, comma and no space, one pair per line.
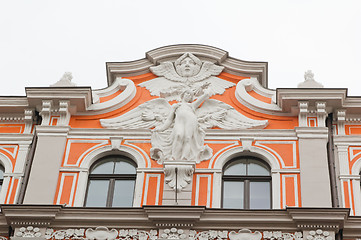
64,234
319,234
103,233
278,235
100,233
208,235
28,232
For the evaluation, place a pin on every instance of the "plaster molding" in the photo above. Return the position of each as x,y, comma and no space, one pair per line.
208,235
245,234
173,233
341,119
171,53
101,233
279,235
128,93
303,113
321,114
311,133
64,113
28,232
246,85
319,234
69,233
178,174
79,97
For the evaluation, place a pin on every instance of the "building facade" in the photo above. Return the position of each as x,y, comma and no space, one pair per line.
187,143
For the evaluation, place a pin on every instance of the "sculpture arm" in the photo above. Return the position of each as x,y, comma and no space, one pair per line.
201,99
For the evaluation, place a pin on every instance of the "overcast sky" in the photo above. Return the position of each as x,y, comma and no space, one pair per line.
42,39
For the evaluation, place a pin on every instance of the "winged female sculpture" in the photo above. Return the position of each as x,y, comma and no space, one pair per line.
178,133
185,139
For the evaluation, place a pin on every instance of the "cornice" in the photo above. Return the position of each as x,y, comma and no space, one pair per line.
79,97
194,217
211,134
172,52
335,98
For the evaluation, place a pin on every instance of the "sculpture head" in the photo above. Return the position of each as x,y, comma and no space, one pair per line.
187,95
188,65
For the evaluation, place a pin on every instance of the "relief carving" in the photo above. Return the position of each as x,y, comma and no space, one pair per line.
29,232
101,233
173,233
187,72
245,234
278,235
208,235
319,235
64,234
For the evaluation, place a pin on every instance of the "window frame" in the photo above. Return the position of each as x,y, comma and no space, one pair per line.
247,179
111,177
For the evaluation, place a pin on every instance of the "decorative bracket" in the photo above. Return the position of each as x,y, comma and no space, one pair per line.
178,174
302,116
341,119
321,114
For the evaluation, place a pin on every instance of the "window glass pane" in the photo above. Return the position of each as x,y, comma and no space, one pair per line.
103,167
123,193
260,196
257,168
235,168
124,167
97,193
233,194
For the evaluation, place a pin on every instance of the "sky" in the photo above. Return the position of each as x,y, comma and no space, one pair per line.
42,39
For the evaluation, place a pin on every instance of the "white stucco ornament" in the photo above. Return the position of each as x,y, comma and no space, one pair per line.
101,233
188,71
245,234
179,128
309,82
65,81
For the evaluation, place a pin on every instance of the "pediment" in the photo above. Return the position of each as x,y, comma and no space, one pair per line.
171,53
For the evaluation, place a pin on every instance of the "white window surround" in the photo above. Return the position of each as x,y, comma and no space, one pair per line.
251,151
356,169
102,152
7,164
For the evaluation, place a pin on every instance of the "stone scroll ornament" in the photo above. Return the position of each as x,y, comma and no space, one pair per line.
178,133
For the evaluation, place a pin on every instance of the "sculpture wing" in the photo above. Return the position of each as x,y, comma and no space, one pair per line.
147,115
208,69
166,70
161,86
214,113
216,86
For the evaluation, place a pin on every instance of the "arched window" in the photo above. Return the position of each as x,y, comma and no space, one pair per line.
2,170
246,184
111,182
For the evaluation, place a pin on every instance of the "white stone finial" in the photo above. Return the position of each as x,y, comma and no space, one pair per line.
65,81
309,81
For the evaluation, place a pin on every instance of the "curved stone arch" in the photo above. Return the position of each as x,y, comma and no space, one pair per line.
8,167
356,170
6,163
97,154
253,151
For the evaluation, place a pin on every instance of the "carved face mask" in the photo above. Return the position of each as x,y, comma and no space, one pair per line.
188,68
